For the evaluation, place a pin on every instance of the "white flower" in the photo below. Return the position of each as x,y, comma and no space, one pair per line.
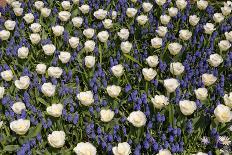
89,61
131,12
75,1
23,82
223,113
137,118
23,52
48,89
20,126
174,48
202,4
224,45
100,14
35,38
64,16
89,33
16,4
4,35
117,70
226,10
123,34
56,139
29,18
187,107
86,98
228,36
10,25
39,5
224,140
1,124
66,5
103,36
193,20
185,34
147,6
152,61
89,46
18,107
228,99
85,149
84,9
77,21
215,60
2,91
208,79
149,74
164,152
114,14
49,49
156,42
209,28
181,4
218,17
64,57
57,30
165,19
159,101
201,93
55,72
74,42
106,115
126,46
142,19
172,11
113,90
9,1
171,84
55,110
35,27
162,30
41,68
18,11
176,68
160,2
107,23
7,75
122,149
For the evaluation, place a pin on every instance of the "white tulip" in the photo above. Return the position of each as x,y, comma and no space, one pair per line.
77,21
29,18
147,6
23,52
152,61
89,46
85,149
103,36
107,23
114,15
49,49
18,11
228,36
149,74
57,139
57,30
106,115
208,79
39,5
35,38
55,72
215,60
126,46
100,14
181,4
160,2
113,90
35,27
172,11
66,5
41,68
164,152
1,124
20,126
18,107
16,4
176,68
228,99
159,101
85,98
226,10
174,48
64,57
187,107
7,75
156,42
193,20
224,45
131,12
48,89
23,82
64,16
142,19
2,91
209,28
165,19
75,1
10,25
123,34
4,35
202,4
162,30
89,33
55,110
201,93
223,113
84,9
218,17
185,34
137,118
117,70
122,149
90,61
74,42
171,84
